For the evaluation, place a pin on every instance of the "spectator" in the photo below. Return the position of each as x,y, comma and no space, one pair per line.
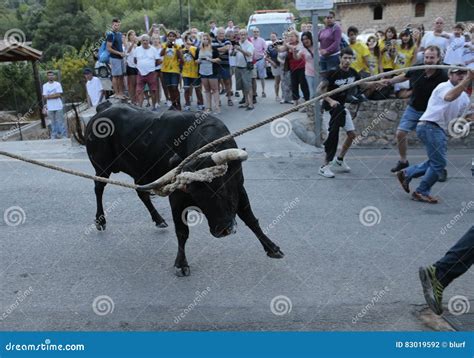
388,48
404,57
172,57
223,46
307,52
156,43
130,46
468,57
375,59
380,35
297,68
115,48
243,70
361,52
271,56
190,75
260,46
230,26
437,37
418,33
309,27
213,27
448,101
330,42
287,94
208,60
195,37
455,49
52,93
303,28
146,59
95,92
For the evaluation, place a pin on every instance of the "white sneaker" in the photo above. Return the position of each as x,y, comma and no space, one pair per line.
168,103
326,172
340,166
187,108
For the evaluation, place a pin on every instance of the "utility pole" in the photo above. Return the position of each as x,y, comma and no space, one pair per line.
317,107
181,15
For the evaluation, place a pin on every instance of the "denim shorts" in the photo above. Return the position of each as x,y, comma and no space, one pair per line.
328,63
117,66
224,73
409,119
170,79
188,82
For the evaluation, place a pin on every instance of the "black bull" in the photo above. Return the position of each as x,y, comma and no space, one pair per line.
125,138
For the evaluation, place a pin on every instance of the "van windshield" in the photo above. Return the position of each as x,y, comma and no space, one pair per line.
267,29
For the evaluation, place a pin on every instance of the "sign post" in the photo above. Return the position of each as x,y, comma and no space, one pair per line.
315,7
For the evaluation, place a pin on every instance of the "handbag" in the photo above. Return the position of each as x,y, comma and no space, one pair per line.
250,66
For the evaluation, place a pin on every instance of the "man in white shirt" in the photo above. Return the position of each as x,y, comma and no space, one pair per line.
456,46
437,37
95,92
448,101
52,92
146,58
243,71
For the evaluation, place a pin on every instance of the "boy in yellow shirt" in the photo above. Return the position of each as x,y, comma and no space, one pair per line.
190,75
361,52
172,57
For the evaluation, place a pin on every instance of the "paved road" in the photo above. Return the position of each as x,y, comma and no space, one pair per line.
340,272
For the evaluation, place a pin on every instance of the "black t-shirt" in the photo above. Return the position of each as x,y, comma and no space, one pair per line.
224,56
423,87
338,78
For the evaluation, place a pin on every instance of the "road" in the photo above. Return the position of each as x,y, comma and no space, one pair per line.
342,271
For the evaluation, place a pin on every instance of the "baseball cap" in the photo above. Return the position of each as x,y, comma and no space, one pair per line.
457,70
87,71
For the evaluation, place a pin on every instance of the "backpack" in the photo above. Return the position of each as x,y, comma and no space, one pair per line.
104,54
343,44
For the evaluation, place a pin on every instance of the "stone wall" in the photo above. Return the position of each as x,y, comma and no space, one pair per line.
376,124
396,13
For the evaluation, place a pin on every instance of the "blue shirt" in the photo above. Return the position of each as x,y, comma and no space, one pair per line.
116,39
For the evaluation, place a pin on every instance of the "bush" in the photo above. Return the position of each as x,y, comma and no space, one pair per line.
17,90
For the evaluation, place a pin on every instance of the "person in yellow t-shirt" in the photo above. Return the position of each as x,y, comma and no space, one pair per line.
172,57
361,52
375,58
190,74
387,48
405,57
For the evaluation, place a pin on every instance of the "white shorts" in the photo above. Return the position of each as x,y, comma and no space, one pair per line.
348,126
276,71
402,85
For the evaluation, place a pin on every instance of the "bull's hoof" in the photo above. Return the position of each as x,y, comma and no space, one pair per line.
162,224
278,254
100,226
182,271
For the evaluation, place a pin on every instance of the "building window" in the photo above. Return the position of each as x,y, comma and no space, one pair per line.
420,9
378,12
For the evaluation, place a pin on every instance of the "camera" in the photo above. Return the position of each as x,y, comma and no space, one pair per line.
169,44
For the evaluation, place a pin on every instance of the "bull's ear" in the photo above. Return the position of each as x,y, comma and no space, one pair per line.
175,160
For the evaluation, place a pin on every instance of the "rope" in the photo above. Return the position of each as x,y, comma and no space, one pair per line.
206,173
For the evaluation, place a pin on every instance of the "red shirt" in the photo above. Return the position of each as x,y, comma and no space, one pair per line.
294,63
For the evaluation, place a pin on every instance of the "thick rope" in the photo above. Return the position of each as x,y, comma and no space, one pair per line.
216,142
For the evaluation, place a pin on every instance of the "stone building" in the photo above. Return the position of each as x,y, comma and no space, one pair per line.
379,14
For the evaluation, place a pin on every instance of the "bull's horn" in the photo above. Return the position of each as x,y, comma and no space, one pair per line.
160,182
227,155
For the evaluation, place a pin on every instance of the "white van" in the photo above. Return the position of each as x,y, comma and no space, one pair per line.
269,21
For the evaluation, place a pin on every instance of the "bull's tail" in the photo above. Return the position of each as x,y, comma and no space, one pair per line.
77,132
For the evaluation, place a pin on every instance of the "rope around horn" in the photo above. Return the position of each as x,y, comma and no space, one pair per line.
205,148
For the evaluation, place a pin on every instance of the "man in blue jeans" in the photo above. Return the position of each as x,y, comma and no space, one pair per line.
435,278
448,101
422,84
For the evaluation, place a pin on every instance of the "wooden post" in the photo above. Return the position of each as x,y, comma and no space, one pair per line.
39,94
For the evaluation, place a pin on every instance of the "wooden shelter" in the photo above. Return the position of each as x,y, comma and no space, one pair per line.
15,52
